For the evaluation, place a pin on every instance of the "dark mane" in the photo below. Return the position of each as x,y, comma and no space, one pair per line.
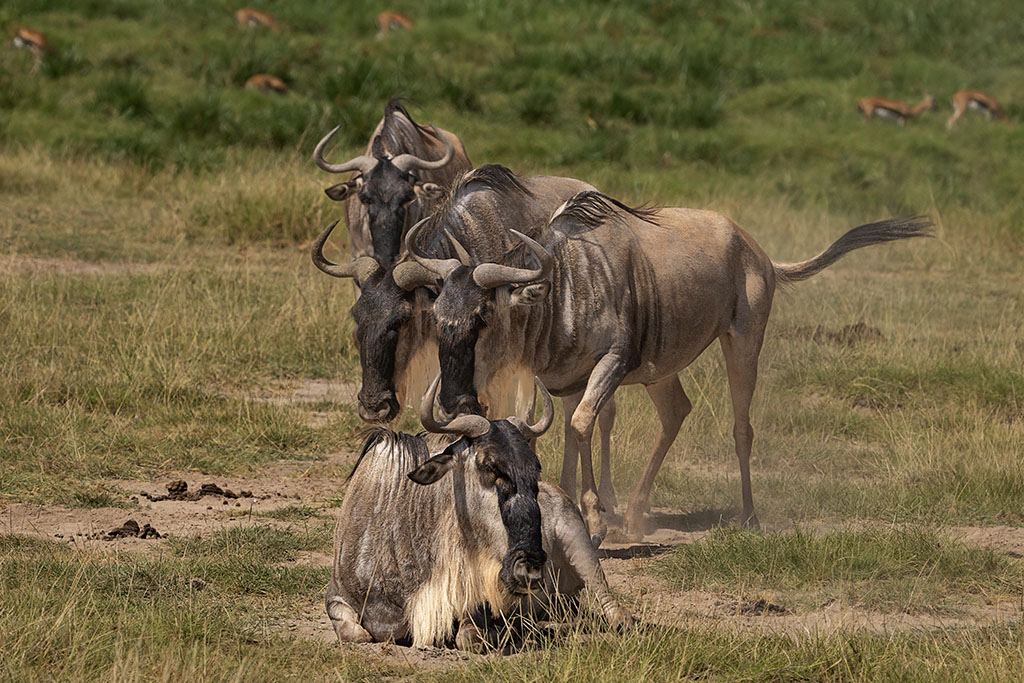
592,208
400,441
494,177
400,133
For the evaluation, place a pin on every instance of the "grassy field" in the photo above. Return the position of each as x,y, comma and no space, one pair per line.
154,277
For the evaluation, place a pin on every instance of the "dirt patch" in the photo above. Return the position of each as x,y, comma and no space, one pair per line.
56,266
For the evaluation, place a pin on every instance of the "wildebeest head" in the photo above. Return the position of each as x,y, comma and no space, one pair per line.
465,306
495,459
385,185
381,314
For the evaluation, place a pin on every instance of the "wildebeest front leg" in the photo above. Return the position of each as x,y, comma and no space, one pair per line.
604,379
673,406
346,622
571,534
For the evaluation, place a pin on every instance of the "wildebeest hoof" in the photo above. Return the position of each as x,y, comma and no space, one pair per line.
750,522
469,638
621,619
608,500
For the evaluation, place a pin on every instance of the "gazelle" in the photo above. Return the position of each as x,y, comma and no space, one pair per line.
973,99
36,42
250,18
392,21
266,83
894,109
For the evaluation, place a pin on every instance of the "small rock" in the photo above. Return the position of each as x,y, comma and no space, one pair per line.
246,494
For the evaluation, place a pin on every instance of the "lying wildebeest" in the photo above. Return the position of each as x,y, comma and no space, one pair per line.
395,326
626,296
417,553
405,169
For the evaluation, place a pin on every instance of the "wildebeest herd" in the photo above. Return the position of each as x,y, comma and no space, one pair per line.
491,282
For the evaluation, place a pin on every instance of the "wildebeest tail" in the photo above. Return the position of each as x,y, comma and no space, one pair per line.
861,236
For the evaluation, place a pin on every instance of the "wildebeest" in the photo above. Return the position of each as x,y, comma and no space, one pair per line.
423,542
894,109
626,296
395,327
404,171
973,99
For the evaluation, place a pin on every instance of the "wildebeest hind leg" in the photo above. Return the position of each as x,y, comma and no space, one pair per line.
570,452
673,406
604,379
346,622
741,352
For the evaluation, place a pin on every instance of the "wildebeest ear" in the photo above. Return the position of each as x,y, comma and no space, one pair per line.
434,468
530,295
428,190
342,191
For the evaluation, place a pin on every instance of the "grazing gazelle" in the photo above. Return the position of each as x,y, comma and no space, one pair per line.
249,18
36,42
392,21
266,83
894,109
973,99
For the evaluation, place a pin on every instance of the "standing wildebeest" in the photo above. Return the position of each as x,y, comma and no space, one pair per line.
626,296
395,327
405,169
417,553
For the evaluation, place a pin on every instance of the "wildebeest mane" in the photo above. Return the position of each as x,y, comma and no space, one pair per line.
397,441
493,177
400,136
592,209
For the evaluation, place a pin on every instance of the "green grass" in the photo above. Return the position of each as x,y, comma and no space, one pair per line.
159,214
888,570
72,616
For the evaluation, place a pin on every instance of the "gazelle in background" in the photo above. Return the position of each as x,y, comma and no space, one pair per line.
974,99
392,21
894,109
250,18
36,42
266,83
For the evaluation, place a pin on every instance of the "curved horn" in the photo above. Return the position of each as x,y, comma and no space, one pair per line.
360,269
470,426
442,267
360,163
464,258
409,275
490,275
409,162
546,418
